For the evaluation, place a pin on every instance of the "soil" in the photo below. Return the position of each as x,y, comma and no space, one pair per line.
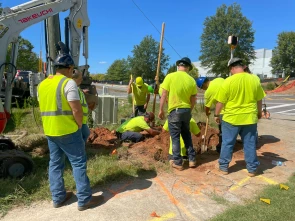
152,148
287,88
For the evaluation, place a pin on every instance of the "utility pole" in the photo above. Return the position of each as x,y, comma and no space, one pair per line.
52,37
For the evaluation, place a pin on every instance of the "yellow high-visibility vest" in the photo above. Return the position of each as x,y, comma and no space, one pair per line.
84,106
56,113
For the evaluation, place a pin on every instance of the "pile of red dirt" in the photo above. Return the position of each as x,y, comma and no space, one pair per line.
157,148
288,88
102,138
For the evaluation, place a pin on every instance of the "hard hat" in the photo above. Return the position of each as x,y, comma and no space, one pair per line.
64,60
150,89
200,81
185,61
139,81
234,60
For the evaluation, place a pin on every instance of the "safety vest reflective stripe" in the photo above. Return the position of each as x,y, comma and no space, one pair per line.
84,106
58,103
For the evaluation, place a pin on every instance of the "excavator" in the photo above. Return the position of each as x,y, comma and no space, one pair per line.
14,162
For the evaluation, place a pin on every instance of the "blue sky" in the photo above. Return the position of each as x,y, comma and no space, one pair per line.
117,25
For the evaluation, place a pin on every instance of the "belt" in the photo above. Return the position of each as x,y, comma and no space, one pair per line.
176,109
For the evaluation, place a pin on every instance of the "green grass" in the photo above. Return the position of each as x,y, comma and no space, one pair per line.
281,207
102,169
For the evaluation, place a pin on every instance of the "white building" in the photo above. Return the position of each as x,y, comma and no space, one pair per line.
260,66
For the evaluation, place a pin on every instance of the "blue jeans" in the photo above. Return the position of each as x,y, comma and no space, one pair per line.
85,132
179,123
229,136
72,146
132,136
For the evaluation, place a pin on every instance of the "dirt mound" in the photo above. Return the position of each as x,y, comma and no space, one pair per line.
157,148
287,88
102,138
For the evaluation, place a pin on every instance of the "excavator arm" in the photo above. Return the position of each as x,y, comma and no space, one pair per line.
14,20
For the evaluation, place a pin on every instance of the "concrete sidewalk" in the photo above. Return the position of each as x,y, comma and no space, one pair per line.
192,194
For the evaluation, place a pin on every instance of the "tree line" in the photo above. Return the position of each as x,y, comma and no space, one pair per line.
215,51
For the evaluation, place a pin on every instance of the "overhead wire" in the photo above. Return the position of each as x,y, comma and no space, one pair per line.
155,27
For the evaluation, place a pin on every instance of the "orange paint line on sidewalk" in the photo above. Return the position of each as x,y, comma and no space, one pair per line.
173,200
170,196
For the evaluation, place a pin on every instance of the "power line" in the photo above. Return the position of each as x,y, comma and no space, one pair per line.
155,27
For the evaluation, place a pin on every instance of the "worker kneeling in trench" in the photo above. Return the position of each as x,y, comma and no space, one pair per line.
134,128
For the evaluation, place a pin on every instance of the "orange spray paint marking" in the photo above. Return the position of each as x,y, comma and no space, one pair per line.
154,214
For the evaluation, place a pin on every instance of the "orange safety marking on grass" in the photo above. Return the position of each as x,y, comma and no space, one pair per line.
173,200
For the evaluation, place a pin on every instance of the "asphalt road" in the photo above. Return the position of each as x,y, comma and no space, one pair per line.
280,104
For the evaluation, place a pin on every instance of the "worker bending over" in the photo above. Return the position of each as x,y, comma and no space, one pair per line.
132,129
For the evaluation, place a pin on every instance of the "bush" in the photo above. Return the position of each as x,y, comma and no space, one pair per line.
270,86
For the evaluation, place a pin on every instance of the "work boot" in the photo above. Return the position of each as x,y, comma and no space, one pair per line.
192,164
252,174
95,201
223,172
69,194
178,167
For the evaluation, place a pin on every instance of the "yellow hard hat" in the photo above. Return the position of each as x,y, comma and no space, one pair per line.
139,81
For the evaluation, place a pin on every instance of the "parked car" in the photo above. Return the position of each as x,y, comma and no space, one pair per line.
22,75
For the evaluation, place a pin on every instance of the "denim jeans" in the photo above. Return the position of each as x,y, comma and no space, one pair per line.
229,136
85,132
179,123
132,136
218,147
139,110
72,146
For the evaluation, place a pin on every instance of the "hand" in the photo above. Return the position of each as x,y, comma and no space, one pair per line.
208,113
217,120
145,106
161,115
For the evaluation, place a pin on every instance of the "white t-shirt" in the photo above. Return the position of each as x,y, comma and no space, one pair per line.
71,91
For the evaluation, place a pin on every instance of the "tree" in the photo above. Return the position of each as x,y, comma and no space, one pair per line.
145,59
27,59
98,77
215,52
283,55
172,68
0,8
118,71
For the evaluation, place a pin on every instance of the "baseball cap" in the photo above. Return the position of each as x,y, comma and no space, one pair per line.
139,81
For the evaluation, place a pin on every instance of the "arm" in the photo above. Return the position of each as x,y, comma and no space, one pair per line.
162,103
207,110
153,132
218,109
193,101
147,101
77,112
259,107
129,89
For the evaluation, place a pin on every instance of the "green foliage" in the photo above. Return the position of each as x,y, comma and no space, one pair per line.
270,86
172,69
0,8
194,72
118,71
98,77
27,59
283,56
214,48
145,59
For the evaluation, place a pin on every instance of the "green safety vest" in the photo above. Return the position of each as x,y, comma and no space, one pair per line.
56,113
84,106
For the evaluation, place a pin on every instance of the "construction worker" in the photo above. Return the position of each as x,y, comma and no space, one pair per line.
77,77
194,129
211,89
241,97
141,95
182,97
62,119
132,129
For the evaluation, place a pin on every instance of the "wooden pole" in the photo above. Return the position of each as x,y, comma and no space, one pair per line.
158,68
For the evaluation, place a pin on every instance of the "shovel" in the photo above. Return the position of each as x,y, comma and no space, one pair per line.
204,146
133,107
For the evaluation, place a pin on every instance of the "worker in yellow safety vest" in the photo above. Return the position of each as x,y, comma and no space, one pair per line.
77,77
62,119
